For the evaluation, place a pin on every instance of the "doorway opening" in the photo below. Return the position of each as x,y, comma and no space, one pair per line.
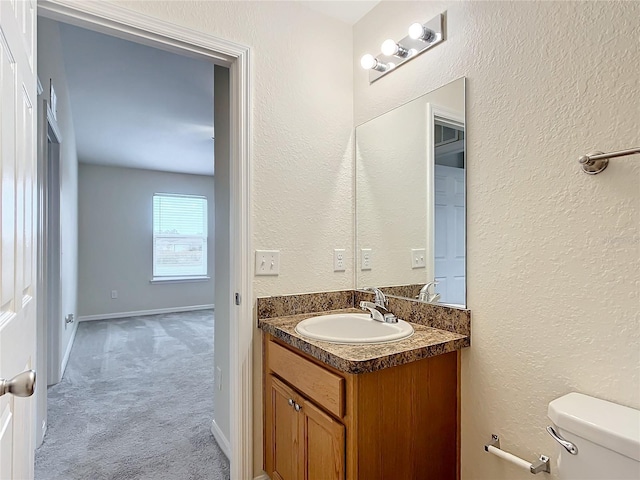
125,24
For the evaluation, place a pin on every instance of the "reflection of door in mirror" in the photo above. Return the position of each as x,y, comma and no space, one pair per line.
402,156
449,248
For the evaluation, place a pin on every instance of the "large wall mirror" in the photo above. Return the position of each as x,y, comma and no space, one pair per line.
410,199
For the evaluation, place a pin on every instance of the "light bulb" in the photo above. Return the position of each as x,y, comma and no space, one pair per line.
418,31
389,47
368,61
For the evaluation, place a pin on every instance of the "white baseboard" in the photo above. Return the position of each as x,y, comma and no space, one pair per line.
262,476
67,352
108,316
223,442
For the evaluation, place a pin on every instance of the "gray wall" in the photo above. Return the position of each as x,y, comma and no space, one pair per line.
51,67
115,241
222,410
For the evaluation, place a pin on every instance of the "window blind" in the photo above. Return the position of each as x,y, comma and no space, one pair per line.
179,235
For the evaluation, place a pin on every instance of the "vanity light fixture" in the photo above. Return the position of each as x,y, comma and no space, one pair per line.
422,36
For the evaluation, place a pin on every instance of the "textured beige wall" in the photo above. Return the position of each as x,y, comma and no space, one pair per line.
553,254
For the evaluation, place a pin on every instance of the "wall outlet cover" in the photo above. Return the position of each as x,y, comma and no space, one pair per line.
366,259
339,260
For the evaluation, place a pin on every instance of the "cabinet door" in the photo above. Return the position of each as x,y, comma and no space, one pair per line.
283,423
323,445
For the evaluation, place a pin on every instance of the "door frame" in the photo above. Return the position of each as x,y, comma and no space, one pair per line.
435,111
51,287
127,24
48,358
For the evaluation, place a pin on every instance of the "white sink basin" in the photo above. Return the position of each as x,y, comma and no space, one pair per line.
352,328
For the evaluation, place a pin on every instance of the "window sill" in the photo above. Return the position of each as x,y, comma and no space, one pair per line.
199,278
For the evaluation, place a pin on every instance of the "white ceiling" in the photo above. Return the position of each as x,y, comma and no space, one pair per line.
137,106
349,12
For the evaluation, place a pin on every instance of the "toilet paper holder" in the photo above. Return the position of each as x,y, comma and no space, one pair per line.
541,465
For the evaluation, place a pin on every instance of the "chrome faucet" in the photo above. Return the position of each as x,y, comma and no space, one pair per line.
378,308
426,296
379,313
380,300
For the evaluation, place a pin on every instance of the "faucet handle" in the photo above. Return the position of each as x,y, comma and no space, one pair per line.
380,300
390,318
366,305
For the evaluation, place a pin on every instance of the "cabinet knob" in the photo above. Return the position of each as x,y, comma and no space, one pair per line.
297,407
291,402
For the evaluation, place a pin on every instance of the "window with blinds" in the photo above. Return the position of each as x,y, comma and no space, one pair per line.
179,235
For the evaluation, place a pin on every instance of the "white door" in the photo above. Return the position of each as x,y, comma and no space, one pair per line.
17,252
450,234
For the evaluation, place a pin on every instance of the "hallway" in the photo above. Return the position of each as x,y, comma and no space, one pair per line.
136,402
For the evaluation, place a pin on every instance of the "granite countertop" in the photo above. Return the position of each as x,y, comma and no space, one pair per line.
425,342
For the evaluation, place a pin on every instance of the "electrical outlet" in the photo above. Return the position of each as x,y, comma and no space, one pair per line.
338,260
365,258
114,294
267,262
418,258
219,378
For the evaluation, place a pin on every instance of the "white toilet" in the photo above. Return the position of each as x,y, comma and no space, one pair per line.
604,436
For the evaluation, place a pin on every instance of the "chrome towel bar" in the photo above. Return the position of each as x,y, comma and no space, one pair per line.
542,465
595,162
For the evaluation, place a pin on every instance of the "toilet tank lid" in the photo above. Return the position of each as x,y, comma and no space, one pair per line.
608,424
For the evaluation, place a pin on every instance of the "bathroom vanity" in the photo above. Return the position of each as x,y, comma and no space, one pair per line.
383,411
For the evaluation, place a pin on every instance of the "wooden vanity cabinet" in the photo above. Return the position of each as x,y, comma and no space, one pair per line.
395,423
306,443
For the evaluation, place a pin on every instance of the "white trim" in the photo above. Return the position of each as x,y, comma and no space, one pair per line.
53,125
262,476
115,20
67,353
223,442
43,429
242,328
139,313
203,278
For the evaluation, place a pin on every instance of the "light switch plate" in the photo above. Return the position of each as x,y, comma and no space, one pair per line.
366,259
418,258
267,262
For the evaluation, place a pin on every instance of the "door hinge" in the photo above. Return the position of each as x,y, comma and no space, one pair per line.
237,298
